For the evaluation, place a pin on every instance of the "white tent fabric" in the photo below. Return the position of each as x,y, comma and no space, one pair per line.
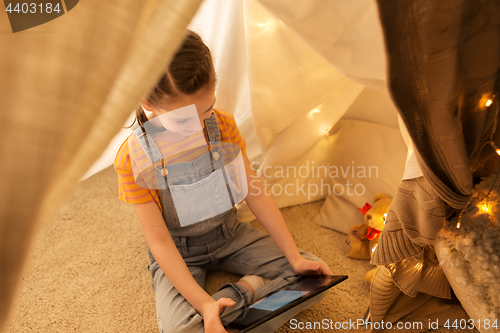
298,97
347,33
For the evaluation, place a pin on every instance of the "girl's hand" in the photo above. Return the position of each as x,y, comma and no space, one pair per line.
304,266
212,312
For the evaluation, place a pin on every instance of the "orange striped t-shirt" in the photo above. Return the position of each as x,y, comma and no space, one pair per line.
130,192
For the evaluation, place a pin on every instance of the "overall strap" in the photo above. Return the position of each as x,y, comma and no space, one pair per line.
147,143
216,158
213,133
154,155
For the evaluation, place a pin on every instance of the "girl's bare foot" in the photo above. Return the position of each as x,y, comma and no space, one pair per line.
253,282
247,285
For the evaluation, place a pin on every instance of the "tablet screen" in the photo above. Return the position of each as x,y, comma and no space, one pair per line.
279,301
276,301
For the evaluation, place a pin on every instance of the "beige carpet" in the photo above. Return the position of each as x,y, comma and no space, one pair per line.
87,271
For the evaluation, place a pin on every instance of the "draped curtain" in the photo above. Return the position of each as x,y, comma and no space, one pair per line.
66,88
444,66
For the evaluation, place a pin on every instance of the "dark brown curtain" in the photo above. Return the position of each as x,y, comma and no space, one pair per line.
443,73
443,60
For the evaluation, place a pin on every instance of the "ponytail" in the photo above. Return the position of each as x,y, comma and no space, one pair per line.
140,117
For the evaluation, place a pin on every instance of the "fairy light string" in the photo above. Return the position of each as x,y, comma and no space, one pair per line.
484,207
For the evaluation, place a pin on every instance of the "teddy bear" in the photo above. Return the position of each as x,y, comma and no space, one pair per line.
363,238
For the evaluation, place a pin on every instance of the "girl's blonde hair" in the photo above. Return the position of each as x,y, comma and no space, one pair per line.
190,70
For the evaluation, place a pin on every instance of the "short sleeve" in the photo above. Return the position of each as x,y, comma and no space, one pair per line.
128,190
233,133
237,138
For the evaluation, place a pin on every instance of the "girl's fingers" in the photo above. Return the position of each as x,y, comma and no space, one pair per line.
324,270
229,302
225,302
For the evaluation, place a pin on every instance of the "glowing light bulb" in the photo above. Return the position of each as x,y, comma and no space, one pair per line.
485,208
269,25
324,130
485,101
312,112
458,225
497,150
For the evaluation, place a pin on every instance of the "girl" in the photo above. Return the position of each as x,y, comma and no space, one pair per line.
184,240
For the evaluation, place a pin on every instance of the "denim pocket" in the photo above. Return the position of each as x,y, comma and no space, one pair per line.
220,193
202,199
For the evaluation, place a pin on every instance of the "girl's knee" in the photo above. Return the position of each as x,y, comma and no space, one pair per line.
193,324
178,316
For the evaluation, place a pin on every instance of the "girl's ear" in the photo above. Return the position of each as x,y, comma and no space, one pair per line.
146,105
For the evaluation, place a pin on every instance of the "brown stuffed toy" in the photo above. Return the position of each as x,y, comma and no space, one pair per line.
363,238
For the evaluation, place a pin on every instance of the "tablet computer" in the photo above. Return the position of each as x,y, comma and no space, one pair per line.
287,298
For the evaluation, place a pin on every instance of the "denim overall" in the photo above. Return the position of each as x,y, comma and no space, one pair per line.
211,237
191,193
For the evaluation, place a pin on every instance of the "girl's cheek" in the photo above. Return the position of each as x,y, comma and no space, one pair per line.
171,126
